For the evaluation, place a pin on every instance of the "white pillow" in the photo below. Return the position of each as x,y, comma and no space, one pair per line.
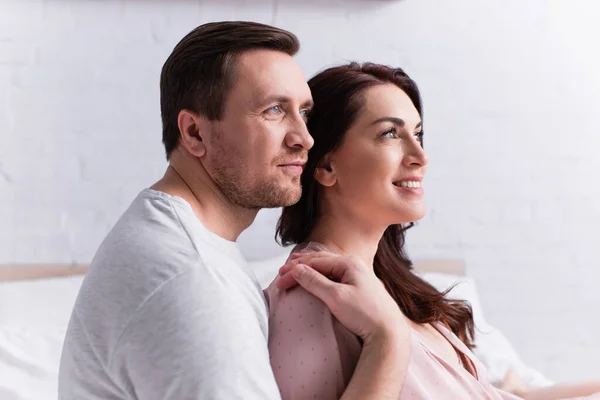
492,348
29,361
45,304
33,320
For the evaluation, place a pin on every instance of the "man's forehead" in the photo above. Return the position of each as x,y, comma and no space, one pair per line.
287,90
263,76
266,64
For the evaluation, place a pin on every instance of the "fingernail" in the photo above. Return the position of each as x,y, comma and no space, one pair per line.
299,270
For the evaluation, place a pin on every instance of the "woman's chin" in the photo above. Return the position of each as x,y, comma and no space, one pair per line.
416,214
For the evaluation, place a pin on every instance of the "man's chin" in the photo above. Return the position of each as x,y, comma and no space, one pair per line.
291,201
284,197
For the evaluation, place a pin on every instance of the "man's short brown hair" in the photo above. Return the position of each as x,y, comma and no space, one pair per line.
200,70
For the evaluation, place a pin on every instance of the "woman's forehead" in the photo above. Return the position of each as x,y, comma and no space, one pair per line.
388,101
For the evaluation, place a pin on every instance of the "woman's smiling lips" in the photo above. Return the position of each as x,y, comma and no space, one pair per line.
410,184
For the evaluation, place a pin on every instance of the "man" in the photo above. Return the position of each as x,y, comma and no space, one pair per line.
169,308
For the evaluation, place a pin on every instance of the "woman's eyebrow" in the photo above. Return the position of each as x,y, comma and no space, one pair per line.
397,121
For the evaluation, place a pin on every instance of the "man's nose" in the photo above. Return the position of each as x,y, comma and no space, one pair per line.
298,136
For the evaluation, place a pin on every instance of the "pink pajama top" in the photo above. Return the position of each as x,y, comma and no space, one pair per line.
313,356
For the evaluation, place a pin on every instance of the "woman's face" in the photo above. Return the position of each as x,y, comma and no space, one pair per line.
376,174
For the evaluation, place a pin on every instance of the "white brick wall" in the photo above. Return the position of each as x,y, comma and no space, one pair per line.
511,91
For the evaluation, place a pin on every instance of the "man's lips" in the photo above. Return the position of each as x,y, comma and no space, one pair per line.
294,166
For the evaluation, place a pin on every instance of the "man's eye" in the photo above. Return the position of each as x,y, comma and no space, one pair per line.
305,113
274,110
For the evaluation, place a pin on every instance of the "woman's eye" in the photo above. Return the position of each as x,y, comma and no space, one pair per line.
390,134
419,136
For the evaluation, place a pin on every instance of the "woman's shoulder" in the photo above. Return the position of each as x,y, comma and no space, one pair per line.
296,300
302,324
296,296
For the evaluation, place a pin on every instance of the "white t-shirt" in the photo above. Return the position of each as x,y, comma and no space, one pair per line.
168,310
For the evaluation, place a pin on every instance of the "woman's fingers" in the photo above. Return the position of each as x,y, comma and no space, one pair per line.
314,282
286,281
331,267
302,258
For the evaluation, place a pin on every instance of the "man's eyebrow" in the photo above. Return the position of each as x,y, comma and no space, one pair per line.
396,121
308,103
275,99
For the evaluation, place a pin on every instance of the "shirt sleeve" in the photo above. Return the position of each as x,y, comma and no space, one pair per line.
312,355
189,340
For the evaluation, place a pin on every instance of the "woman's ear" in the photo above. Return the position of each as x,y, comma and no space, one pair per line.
325,172
192,130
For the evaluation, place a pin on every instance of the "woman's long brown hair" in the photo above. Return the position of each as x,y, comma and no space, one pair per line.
338,96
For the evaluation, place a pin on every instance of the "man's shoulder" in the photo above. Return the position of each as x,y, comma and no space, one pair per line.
151,219
149,238
156,254
146,249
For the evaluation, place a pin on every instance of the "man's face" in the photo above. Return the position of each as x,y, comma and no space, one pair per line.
257,151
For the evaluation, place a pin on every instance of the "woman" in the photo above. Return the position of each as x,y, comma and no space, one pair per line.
361,191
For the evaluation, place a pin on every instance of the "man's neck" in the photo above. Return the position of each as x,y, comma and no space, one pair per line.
344,235
187,178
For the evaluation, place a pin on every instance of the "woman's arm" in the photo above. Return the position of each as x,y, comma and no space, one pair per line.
312,355
515,385
588,390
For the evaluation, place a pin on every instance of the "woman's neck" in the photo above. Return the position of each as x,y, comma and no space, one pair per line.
344,235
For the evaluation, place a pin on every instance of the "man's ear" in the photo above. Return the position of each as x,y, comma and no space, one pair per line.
193,129
325,172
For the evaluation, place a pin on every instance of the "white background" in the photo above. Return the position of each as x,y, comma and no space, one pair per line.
512,115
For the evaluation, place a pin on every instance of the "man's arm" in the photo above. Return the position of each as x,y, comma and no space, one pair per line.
381,369
190,341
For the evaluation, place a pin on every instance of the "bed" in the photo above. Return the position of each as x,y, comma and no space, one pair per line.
36,302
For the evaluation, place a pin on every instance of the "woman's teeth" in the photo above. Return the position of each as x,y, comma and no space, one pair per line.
408,184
